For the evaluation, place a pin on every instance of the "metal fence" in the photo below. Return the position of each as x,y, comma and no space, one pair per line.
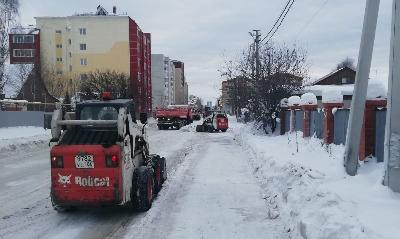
21,118
341,118
380,123
317,124
287,121
299,120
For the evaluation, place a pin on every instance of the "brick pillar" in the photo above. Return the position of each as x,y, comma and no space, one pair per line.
282,117
307,119
329,121
367,142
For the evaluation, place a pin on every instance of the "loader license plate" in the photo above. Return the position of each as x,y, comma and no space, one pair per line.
84,161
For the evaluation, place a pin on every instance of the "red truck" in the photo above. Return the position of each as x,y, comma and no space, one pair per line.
174,116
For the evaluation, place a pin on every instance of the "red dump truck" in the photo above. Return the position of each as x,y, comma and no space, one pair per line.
174,116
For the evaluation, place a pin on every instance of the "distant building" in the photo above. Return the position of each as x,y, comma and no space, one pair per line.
341,80
24,45
73,46
163,80
238,86
181,95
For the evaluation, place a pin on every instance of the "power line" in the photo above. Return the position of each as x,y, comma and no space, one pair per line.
281,18
281,21
312,17
277,20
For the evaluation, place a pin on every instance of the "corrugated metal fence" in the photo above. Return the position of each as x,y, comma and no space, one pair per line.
299,120
341,117
21,118
380,123
317,124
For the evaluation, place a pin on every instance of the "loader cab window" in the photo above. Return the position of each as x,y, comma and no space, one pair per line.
98,113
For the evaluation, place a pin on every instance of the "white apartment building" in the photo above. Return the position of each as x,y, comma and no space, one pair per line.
163,80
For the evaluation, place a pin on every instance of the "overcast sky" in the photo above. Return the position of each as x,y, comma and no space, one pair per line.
202,32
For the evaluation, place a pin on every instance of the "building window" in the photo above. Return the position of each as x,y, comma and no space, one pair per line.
23,53
70,67
82,31
69,41
23,39
82,47
59,59
83,77
344,80
70,54
58,31
58,45
83,61
59,72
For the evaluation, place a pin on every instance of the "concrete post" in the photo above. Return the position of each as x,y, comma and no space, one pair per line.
392,136
360,87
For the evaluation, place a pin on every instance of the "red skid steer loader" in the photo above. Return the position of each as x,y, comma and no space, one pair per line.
216,121
102,158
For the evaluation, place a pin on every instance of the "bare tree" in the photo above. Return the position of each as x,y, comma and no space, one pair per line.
55,83
8,13
347,62
100,81
282,73
17,75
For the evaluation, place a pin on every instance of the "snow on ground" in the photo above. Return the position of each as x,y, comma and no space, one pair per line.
12,138
308,191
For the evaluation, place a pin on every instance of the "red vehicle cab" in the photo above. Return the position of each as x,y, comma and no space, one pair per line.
102,158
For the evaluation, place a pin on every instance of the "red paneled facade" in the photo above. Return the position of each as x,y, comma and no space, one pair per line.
140,67
19,42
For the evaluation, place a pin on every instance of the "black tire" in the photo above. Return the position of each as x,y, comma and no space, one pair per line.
223,130
144,192
58,207
157,168
199,128
160,127
210,129
163,163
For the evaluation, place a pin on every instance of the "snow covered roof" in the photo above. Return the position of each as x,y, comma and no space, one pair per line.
330,74
375,89
24,30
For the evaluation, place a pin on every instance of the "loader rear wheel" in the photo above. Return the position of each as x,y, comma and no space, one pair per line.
223,130
58,207
144,193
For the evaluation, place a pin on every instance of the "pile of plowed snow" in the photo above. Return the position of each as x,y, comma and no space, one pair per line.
307,190
16,137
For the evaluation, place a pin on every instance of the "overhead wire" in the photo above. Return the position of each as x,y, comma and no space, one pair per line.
312,18
280,20
277,20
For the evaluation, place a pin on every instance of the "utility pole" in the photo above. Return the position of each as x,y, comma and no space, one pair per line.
392,136
360,87
257,39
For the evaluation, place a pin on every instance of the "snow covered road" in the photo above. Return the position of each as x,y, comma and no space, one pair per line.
26,211
213,195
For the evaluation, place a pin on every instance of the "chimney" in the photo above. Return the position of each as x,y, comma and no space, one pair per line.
114,10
